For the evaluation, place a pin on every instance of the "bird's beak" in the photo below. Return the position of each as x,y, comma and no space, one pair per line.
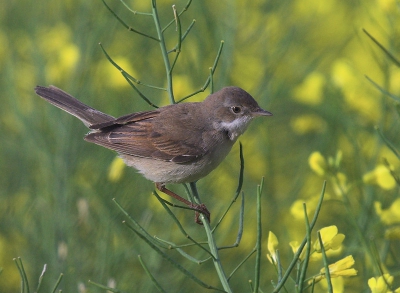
261,112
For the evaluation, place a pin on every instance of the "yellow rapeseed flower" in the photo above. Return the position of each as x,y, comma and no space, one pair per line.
311,90
308,123
380,284
391,215
343,74
272,247
297,209
295,247
110,75
388,5
340,185
380,176
317,163
116,169
183,87
393,233
341,268
330,239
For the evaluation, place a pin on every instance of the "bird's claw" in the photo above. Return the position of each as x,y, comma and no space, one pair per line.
201,208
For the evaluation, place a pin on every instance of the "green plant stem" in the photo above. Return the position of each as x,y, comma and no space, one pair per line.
238,190
127,26
212,244
259,235
179,14
212,70
308,250
41,278
356,226
179,42
164,52
152,278
303,243
57,283
242,262
388,54
24,279
326,265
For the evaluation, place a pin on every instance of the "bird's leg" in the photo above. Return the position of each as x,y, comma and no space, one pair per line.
199,208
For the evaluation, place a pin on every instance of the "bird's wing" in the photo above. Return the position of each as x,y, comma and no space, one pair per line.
145,135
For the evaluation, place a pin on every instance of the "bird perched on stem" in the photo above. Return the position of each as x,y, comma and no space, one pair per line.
178,143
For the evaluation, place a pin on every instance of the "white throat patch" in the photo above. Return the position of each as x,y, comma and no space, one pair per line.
236,127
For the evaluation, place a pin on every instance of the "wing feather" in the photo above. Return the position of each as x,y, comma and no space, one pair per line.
144,135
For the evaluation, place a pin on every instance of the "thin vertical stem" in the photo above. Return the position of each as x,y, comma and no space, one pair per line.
303,243
259,235
211,243
326,266
164,52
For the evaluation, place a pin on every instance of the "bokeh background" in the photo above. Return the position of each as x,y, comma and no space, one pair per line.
305,61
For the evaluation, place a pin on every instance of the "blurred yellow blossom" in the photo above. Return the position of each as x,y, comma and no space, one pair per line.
394,80
317,163
272,247
387,5
391,215
295,245
297,209
112,76
380,284
330,239
357,98
69,56
116,169
380,176
183,87
340,186
393,233
342,73
337,285
308,123
311,90
56,42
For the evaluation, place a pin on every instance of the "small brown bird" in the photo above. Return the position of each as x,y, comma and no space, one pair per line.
179,143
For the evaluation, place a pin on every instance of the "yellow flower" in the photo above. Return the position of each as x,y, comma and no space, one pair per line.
317,163
387,5
393,233
308,123
295,247
310,92
380,176
116,169
330,239
337,284
340,186
110,74
341,268
391,215
379,285
272,247
297,209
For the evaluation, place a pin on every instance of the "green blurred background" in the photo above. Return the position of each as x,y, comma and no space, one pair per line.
304,61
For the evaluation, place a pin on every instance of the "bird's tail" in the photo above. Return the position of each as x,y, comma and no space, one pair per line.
68,103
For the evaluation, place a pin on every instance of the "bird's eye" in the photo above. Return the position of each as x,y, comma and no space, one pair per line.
236,109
